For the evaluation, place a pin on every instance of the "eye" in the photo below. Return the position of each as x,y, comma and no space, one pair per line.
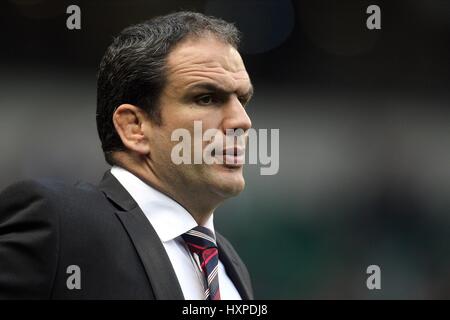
205,100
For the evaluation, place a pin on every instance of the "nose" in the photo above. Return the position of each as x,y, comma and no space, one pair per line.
236,117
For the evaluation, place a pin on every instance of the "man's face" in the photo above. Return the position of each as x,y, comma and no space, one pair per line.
207,82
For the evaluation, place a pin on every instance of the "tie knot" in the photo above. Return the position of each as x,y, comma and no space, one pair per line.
199,239
202,244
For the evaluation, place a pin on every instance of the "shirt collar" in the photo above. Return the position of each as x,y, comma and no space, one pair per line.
168,217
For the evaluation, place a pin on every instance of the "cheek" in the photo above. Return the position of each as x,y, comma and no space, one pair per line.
160,144
196,120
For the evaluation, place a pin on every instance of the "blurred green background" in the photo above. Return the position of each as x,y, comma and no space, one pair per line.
364,125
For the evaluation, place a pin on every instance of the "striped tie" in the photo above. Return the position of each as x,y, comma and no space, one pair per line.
201,241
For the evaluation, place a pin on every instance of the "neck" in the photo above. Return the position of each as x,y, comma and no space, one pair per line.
200,203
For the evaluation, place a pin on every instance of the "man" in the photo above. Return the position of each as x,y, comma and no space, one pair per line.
146,232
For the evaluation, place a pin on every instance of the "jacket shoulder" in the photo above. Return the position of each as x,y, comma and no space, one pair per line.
28,242
24,198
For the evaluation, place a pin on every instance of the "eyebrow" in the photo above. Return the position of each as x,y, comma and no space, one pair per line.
217,88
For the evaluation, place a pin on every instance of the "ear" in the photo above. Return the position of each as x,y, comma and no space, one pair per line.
131,124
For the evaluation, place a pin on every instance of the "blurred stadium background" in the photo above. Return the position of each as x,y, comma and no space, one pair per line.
364,119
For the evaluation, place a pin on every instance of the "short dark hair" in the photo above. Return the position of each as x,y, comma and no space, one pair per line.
132,69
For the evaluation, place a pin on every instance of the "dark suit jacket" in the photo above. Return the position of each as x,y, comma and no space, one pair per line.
46,226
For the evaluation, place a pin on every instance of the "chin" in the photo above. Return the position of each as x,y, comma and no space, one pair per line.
229,184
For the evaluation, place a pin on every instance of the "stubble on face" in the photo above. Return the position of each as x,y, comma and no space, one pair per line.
195,67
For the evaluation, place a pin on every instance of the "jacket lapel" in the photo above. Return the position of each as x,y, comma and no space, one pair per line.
151,251
233,269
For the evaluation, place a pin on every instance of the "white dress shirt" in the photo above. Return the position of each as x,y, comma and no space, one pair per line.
170,220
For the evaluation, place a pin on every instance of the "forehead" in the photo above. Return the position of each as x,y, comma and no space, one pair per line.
206,59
